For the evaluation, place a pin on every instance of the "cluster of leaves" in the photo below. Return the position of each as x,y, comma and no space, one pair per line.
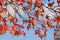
16,28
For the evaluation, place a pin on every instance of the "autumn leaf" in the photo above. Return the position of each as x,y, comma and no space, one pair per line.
50,5
1,13
38,12
58,1
15,19
1,2
16,33
25,21
28,27
43,27
40,35
39,1
41,15
49,24
1,19
4,20
4,10
37,31
1,27
47,16
12,19
2,30
57,19
36,15
20,26
12,32
33,23
58,10
18,2
9,15
12,0
14,27
35,4
7,27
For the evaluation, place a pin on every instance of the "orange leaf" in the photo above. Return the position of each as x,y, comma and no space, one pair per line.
1,27
20,26
12,32
37,31
28,27
14,27
57,19
7,27
17,33
39,1
25,21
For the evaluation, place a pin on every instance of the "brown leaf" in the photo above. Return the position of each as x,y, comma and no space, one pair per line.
50,4
25,21
16,33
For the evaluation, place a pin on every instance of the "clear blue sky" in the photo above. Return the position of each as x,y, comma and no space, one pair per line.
29,34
